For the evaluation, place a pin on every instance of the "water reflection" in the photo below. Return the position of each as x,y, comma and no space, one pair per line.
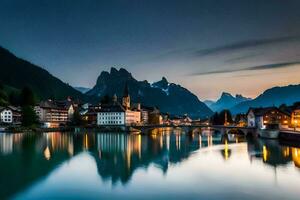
27,158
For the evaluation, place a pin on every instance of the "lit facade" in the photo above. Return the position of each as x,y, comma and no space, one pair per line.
260,117
111,118
6,115
53,114
295,118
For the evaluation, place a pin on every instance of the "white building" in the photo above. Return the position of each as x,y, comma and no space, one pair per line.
111,115
6,115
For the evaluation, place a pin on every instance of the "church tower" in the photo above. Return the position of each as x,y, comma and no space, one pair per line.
126,98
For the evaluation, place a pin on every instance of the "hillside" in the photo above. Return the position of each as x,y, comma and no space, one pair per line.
18,73
273,96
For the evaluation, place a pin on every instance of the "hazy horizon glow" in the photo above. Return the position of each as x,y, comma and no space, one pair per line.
207,46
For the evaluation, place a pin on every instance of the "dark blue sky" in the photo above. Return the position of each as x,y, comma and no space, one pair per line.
208,46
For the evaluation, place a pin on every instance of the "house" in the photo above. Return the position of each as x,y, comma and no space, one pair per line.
6,115
240,120
89,113
295,117
294,111
181,120
54,113
145,114
260,117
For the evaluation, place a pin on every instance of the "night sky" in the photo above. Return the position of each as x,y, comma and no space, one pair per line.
208,46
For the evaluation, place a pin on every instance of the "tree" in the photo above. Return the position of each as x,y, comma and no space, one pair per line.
76,120
105,99
3,96
225,114
29,117
14,98
27,97
215,120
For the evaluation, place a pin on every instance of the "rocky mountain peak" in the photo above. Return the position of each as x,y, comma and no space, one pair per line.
163,83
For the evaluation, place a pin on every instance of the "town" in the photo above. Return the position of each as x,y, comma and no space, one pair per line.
121,113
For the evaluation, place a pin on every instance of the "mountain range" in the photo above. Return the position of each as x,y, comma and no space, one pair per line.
272,97
168,97
82,89
17,73
226,101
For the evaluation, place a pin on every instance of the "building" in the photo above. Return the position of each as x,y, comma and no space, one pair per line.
89,114
294,111
119,114
113,114
260,117
240,120
295,117
155,117
6,115
181,120
54,113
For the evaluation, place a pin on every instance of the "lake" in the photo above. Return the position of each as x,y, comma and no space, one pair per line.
159,165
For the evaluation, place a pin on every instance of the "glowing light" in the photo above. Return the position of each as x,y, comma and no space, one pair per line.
265,153
226,150
47,153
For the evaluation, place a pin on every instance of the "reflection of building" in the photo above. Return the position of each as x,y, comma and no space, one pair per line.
54,113
260,117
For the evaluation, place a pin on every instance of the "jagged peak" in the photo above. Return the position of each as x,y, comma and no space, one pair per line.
113,70
226,94
163,83
163,79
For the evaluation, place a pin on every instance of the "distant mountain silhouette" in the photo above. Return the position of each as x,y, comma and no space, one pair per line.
169,97
18,73
274,96
226,101
82,89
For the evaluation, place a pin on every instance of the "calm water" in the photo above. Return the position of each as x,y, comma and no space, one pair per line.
163,164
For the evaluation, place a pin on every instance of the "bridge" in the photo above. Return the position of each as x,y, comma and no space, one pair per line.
199,128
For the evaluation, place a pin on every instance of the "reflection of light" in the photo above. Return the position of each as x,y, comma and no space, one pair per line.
265,153
200,141
296,156
226,150
86,142
140,146
265,122
286,152
47,153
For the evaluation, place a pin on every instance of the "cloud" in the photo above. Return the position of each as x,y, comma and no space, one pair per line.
244,45
259,67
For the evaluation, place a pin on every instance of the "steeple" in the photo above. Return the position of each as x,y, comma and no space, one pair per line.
115,98
126,97
126,91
